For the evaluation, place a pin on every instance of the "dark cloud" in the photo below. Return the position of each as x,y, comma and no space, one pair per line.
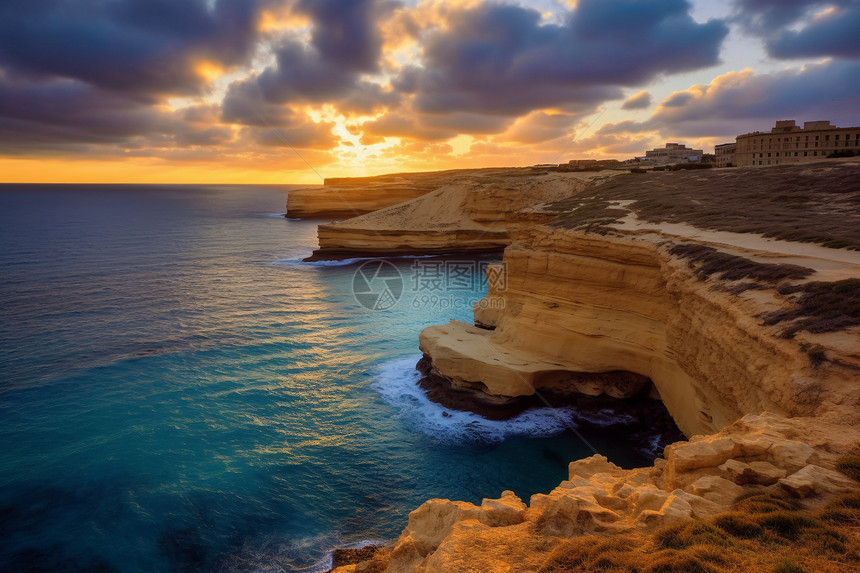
270,123
739,102
503,59
640,100
301,74
61,112
803,28
835,34
346,33
143,47
769,15
346,44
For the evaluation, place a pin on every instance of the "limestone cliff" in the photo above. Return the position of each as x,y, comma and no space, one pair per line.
578,302
342,198
345,197
471,212
608,278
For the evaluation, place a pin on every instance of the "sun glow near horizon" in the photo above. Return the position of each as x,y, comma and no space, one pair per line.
294,91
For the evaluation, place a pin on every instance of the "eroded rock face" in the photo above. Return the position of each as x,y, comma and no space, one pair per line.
470,211
578,302
599,498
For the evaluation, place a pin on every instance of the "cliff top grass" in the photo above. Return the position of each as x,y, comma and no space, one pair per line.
818,203
763,532
819,307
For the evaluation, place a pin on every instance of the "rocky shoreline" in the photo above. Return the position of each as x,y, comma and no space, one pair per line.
604,299
638,416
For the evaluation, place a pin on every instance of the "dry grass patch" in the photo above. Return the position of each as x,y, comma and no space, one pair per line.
763,532
819,307
810,203
708,261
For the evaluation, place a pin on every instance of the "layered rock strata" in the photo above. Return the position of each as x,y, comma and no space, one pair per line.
478,212
342,198
577,302
591,298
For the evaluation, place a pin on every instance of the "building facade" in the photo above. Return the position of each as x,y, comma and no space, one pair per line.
788,144
725,154
672,153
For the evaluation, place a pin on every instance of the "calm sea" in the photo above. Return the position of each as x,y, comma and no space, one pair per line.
178,392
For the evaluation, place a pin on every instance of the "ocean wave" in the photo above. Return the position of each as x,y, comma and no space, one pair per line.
397,383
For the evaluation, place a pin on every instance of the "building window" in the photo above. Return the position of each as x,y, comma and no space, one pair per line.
805,153
816,138
795,154
836,137
815,153
768,156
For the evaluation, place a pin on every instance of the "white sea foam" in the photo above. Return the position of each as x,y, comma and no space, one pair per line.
302,263
397,383
342,262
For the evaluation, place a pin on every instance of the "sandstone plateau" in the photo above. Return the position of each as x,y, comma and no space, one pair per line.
472,211
733,295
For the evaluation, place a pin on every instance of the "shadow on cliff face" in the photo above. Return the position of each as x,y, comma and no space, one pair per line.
640,425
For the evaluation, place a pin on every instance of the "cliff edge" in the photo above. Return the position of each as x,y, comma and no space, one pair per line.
734,296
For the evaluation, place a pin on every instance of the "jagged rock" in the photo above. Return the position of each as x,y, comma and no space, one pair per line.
815,480
507,510
674,509
566,515
599,498
684,457
761,473
587,467
716,489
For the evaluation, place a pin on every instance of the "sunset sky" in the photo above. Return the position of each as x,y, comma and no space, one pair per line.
290,91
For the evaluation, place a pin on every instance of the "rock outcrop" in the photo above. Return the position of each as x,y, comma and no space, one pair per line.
342,198
598,296
577,302
696,480
475,213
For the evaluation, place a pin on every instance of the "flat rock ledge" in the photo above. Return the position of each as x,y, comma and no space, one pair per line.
639,419
697,479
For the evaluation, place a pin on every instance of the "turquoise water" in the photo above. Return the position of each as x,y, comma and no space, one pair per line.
179,393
